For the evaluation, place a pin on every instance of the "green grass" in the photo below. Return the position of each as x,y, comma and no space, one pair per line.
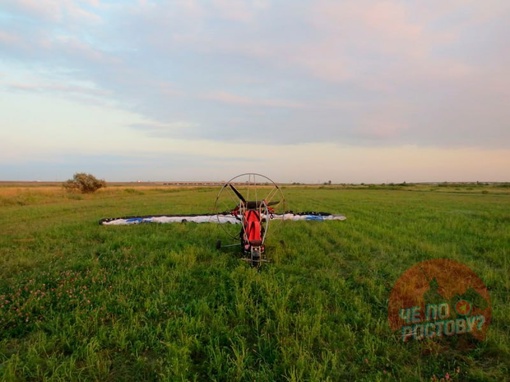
79,301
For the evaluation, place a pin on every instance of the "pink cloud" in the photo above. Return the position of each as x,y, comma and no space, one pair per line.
233,10
9,38
55,10
47,9
353,37
384,123
230,98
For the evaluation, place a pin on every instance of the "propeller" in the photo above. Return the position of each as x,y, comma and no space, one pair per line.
239,195
258,203
252,204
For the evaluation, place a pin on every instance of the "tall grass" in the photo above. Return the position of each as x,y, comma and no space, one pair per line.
79,301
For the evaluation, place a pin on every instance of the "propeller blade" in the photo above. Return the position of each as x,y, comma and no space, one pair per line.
241,197
257,204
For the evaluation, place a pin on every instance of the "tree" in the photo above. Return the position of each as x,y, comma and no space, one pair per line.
84,183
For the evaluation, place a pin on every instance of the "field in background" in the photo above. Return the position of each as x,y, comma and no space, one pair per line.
159,302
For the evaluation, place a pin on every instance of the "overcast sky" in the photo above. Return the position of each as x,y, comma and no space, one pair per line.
298,90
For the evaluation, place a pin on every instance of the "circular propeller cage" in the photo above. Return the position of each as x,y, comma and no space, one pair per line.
249,191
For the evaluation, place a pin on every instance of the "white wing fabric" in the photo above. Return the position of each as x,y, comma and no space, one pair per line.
217,218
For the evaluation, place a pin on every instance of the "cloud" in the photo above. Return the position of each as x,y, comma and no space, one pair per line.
7,38
53,10
234,99
172,129
361,73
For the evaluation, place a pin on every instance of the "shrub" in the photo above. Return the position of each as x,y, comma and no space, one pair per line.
84,183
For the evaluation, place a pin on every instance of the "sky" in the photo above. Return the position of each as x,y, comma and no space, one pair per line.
298,90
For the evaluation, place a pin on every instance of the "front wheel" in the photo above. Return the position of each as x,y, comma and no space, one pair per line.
256,257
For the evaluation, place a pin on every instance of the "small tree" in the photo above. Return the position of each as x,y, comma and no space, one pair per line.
84,183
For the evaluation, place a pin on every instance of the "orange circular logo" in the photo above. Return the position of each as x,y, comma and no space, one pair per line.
439,298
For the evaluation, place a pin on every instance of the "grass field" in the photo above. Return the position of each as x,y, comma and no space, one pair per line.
80,301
